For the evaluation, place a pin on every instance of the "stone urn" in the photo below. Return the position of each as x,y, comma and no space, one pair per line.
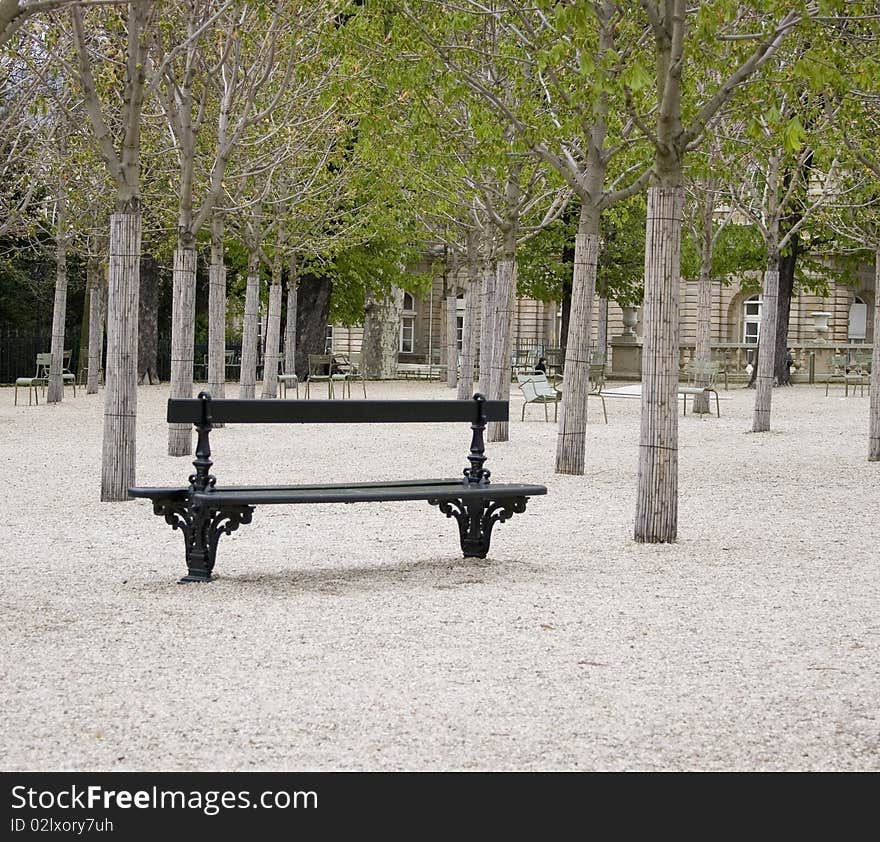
630,320
820,323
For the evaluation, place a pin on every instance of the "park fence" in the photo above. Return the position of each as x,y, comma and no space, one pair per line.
19,349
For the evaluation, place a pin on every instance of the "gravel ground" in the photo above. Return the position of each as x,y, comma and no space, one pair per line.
355,637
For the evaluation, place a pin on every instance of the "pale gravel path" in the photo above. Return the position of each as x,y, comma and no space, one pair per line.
357,638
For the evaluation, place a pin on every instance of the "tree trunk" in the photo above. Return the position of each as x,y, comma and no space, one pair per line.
59,311
382,335
290,323
312,314
118,456
148,321
97,313
469,331
703,350
217,311
874,418
783,312
272,356
566,315
249,338
571,441
502,340
487,307
183,310
656,519
451,349
787,264
767,341
442,332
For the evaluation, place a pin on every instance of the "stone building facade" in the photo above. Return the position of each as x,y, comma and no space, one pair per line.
734,327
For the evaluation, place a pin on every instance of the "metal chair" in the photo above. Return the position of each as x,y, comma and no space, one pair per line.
44,364
351,364
319,372
839,371
859,373
286,380
701,381
536,389
523,360
31,384
555,360
597,383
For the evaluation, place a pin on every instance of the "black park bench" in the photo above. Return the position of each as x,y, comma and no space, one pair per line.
203,511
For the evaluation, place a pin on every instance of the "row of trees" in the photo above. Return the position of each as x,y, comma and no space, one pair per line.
318,133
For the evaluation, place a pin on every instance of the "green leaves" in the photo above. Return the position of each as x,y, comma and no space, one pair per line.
793,135
636,77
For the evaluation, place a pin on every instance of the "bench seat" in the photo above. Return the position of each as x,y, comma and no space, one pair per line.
367,492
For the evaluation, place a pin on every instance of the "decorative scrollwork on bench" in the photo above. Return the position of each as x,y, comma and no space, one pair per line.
476,517
209,481
202,527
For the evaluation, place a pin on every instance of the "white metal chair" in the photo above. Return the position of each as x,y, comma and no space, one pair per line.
536,389
702,376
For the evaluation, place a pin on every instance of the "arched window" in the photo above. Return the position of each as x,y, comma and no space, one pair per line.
408,325
752,319
858,320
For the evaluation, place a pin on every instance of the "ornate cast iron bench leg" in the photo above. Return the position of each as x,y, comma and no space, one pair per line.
476,519
201,528
477,515
201,524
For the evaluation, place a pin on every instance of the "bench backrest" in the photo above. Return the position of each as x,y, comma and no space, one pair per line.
194,410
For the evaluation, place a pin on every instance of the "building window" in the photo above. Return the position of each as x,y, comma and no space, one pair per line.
858,321
407,330
408,325
459,321
752,320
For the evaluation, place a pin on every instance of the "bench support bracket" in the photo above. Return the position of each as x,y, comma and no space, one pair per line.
201,528
476,517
